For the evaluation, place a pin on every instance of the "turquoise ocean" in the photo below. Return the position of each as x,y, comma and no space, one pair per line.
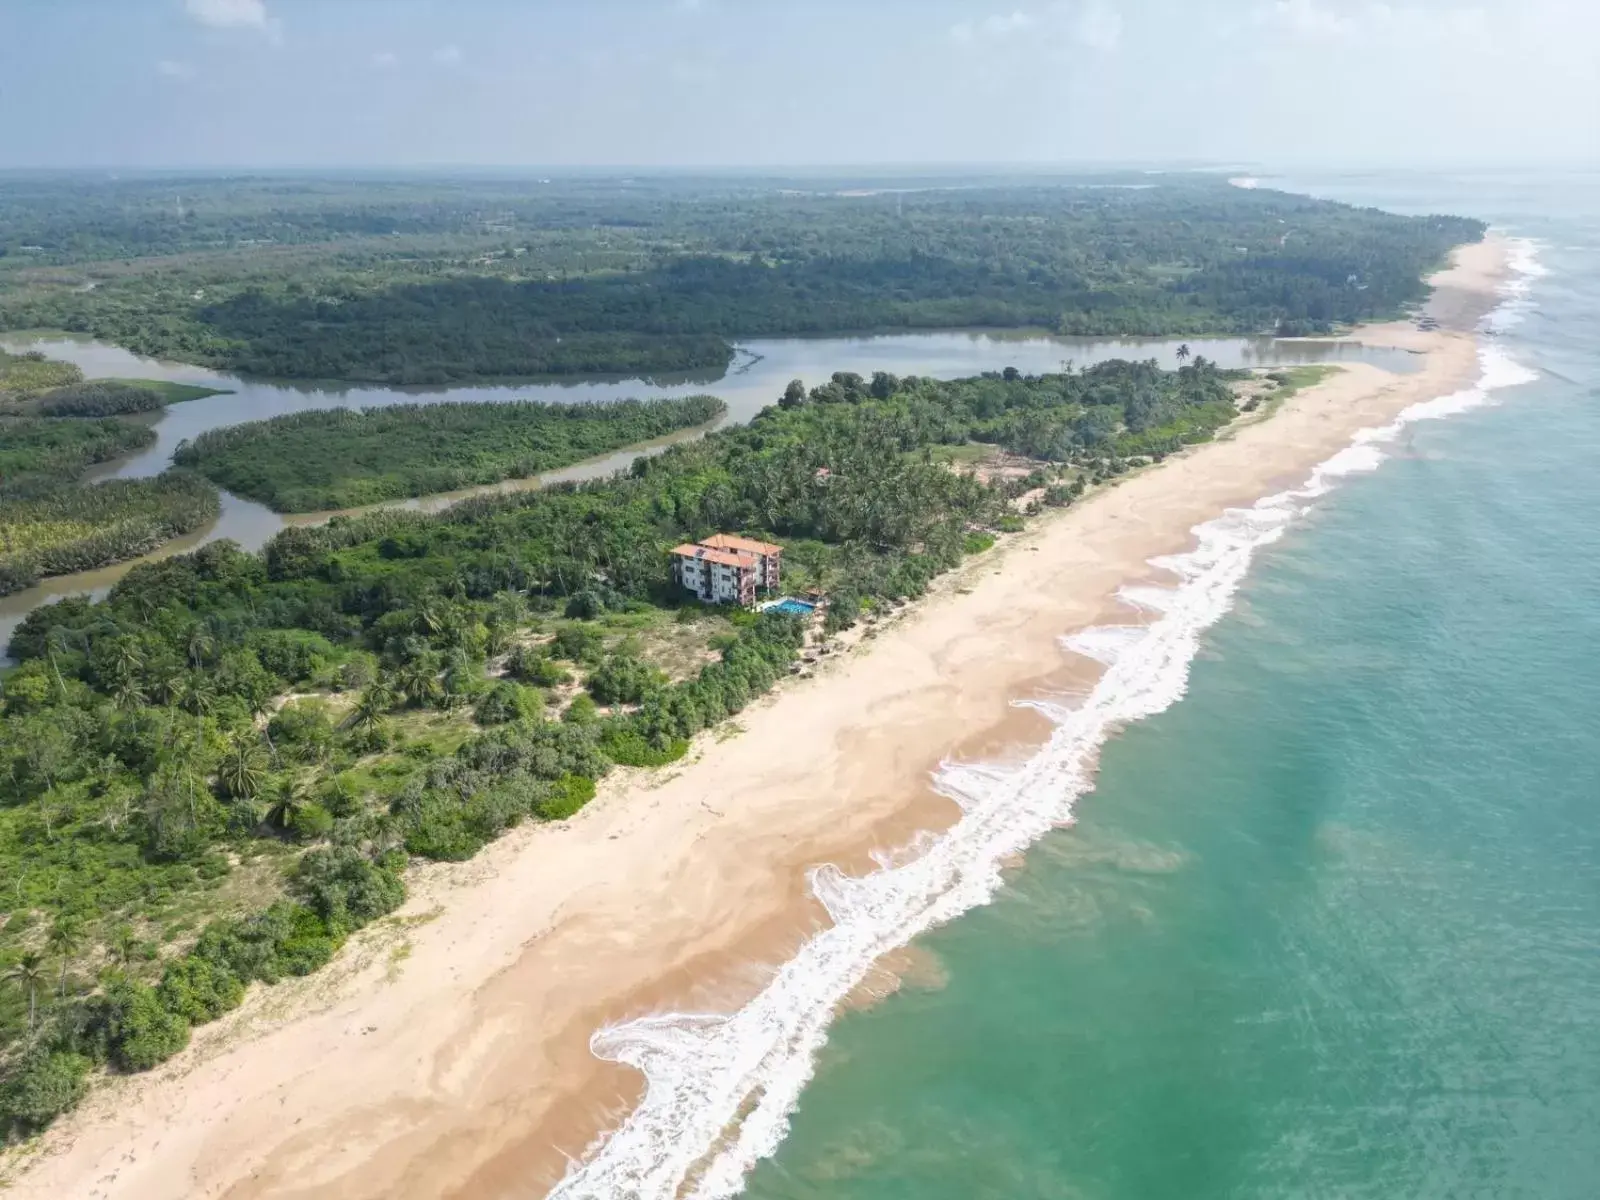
1327,924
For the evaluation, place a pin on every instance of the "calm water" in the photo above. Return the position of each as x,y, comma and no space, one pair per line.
756,379
1330,926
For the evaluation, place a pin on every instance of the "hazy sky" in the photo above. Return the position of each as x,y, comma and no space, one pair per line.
711,82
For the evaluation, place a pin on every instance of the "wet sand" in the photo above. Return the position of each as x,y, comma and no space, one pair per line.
445,1054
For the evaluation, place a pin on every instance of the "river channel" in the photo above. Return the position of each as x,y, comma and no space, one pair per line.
756,378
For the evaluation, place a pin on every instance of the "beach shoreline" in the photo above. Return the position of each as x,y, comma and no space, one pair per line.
447,1052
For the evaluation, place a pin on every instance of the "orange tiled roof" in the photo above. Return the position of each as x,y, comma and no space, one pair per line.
726,558
732,541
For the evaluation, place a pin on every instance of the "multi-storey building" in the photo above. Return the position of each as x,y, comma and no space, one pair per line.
771,556
727,569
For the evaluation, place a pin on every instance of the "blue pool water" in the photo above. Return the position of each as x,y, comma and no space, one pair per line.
793,608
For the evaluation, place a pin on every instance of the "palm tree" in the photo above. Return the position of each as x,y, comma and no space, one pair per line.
242,769
289,800
124,943
27,974
66,939
127,658
1183,353
419,681
58,641
374,702
198,694
199,645
126,693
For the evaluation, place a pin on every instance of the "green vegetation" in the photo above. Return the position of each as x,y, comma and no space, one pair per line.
170,392
430,281
339,458
37,453
69,529
117,397
97,398
50,524
171,830
23,376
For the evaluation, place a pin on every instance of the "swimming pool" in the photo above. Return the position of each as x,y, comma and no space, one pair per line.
792,607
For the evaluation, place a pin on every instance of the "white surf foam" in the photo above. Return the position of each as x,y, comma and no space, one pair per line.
720,1089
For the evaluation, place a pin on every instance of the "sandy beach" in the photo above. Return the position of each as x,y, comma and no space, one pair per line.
446,1052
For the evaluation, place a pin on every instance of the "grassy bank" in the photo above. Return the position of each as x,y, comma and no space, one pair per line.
306,462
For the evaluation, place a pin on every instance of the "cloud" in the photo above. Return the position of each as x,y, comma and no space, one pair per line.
1098,27
173,69
996,26
447,56
384,59
229,14
1305,19
1387,24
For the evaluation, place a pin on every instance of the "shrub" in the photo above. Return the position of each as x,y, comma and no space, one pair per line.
346,889
571,793
620,680
286,939
537,668
304,727
507,702
630,748
45,1084
578,643
198,989
141,1030
585,605
582,710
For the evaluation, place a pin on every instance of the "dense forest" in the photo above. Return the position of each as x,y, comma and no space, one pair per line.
430,281
172,830
313,461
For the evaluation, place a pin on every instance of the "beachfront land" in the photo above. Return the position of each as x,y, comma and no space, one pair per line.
224,768
281,732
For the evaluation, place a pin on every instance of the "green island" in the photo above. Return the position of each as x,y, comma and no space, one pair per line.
118,397
50,524
428,281
340,458
219,772
32,384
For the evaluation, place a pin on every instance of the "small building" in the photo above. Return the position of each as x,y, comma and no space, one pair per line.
727,569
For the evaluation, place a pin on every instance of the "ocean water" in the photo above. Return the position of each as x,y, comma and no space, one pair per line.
1327,927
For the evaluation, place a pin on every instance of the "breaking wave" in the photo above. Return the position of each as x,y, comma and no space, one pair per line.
720,1089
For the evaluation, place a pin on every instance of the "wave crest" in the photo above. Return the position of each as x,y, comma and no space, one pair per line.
720,1089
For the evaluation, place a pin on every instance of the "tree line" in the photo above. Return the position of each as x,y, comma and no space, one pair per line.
477,281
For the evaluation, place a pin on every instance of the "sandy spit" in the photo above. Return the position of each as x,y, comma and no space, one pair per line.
445,1053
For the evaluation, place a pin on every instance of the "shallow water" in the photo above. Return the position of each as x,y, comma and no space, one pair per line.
1328,927
757,378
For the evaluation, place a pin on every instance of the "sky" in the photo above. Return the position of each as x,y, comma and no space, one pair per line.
373,83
